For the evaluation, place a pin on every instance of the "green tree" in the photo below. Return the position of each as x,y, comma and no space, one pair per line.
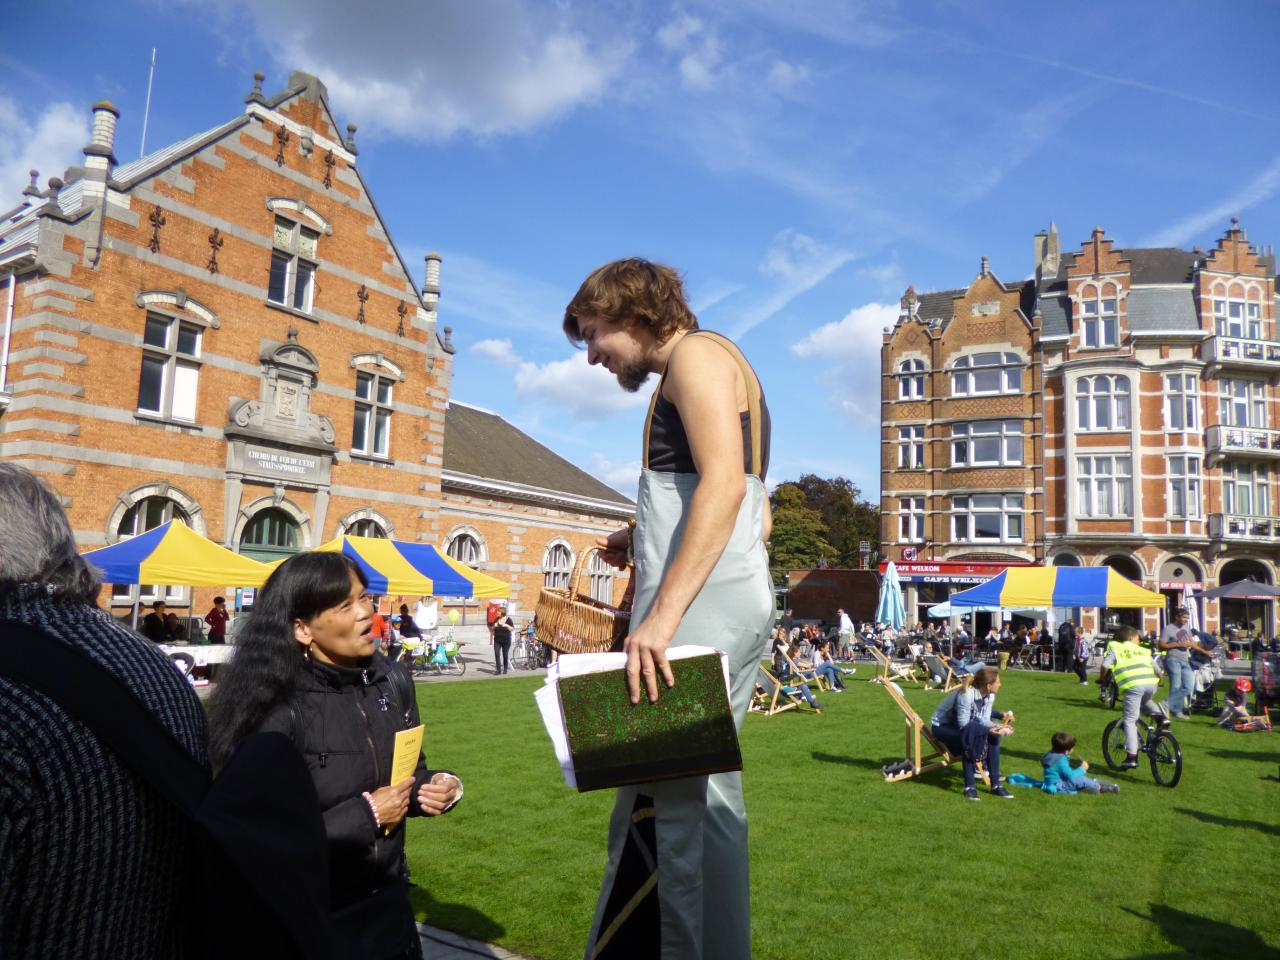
848,517
799,538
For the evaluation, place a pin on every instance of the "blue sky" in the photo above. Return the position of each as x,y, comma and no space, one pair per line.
800,163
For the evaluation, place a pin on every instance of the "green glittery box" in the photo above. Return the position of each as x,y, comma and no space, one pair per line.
688,732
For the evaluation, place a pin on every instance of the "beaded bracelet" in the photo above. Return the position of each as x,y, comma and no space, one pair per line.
373,808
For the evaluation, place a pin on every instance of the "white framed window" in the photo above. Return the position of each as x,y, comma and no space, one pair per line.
557,565
1242,403
1246,489
1098,321
987,517
1104,486
986,374
911,519
911,448
1102,403
1237,318
465,549
371,428
147,514
293,265
1184,486
911,380
600,578
1182,402
170,377
986,443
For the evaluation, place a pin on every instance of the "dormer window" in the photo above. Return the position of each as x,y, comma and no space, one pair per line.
986,374
293,265
1099,322
911,380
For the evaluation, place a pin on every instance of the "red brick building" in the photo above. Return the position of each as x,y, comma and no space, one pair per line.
1148,410
224,332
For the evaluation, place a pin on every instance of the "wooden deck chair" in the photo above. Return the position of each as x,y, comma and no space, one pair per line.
946,678
773,696
810,676
890,670
917,733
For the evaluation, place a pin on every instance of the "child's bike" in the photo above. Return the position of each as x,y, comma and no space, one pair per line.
1160,746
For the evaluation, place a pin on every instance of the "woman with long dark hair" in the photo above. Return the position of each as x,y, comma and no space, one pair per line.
306,665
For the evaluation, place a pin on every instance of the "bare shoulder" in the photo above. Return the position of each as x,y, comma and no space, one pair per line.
700,363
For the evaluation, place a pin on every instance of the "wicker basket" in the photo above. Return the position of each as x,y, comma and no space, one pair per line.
571,622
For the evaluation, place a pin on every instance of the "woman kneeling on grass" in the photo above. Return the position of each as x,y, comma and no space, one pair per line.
306,665
975,704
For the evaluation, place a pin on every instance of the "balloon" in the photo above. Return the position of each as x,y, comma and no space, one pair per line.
453,616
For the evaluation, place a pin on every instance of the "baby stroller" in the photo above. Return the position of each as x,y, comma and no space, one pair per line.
1266,681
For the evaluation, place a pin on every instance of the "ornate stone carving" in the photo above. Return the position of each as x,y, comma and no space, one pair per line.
157,220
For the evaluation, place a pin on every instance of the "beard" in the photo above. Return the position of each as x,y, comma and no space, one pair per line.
632,376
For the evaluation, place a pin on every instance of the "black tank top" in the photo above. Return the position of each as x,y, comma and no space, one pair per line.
666,444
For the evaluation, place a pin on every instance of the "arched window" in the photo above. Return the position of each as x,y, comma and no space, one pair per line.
465,549
147,514
1237,312
600,575
986,374
1102,403
911,380
367,528
271,535
1098,312
557,565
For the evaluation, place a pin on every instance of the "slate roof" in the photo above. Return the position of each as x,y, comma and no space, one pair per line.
1054,312
136,170
1161,310
482,444
938,305
1159,264
21,227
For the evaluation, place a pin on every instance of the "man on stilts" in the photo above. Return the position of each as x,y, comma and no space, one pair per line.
675,886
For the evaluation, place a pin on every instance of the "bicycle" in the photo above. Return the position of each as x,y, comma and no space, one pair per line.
1160,746
432,656
528,653
1109,694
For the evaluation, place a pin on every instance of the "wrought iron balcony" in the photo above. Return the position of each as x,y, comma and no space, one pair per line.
1230,526
1243,353
1253,443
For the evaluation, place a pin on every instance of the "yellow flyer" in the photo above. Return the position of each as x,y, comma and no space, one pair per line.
405,759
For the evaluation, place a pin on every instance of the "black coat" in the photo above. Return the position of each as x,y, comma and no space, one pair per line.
344,721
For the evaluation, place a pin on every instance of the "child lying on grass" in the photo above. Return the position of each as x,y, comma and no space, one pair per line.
1061,777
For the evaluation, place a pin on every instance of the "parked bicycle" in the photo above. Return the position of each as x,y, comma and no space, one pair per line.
528,653
1160,746
433,656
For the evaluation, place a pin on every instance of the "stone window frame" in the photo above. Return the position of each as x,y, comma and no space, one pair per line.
966,365
1090,481
1183,398
965,436
1006,512
1259,481
911,374
912,521
293,253
378,368
1225,294
911,446
551,576
1087,388
1191,480
1099,294
482,548
172,358
600,576
127,501
247,512
1256,403
365,514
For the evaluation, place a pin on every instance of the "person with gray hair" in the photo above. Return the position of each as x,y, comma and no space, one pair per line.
93,858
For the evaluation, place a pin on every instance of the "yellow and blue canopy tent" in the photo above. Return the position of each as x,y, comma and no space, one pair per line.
175,554
1058,587
415,569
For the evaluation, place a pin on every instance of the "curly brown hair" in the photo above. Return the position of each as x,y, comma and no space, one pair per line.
633,288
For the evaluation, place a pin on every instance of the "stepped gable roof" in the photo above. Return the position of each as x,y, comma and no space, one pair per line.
481,444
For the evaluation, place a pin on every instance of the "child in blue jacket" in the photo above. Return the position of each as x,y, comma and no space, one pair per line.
1061,777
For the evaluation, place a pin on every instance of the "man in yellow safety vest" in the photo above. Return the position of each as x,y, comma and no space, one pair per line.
1130,664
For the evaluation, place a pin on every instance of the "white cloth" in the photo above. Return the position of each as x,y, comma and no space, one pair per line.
426,615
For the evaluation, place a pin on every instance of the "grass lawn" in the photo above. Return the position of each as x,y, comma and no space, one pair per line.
846,865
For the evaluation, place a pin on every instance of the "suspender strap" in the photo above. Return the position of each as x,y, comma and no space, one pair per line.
754,395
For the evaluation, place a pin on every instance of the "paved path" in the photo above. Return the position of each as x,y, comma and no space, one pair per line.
444,945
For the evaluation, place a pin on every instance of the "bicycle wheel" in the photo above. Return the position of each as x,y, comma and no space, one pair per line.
457,666
1109,695
1166,759
1113,750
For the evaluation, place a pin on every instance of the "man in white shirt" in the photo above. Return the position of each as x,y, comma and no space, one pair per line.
845,632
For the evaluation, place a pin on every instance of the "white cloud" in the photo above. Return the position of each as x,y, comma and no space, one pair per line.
675,36
796,263
699,49
786,77
622,475
427,71
1262,187
49,143
850,348
570,385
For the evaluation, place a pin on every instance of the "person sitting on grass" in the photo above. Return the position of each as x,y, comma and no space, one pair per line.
1061,777
975,704
824,666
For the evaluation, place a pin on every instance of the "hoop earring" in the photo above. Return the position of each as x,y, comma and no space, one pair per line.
306,652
